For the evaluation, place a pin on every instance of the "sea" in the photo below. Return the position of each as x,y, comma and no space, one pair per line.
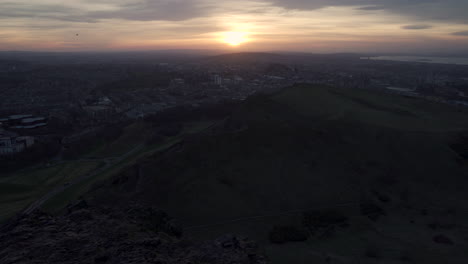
440,60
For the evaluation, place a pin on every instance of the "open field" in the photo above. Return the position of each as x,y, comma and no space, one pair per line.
20,189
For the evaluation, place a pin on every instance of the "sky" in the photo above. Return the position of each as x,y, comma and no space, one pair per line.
324,26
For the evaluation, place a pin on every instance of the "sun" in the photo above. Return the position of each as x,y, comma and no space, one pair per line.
235,38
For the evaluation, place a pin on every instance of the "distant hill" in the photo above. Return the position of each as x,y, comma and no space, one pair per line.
244,57
393,166
280,57
92,57
173,56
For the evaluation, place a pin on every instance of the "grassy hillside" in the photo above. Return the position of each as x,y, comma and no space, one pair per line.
100,161
393,111
137,143
313,148
18,190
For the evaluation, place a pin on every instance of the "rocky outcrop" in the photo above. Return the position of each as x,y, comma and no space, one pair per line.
102,235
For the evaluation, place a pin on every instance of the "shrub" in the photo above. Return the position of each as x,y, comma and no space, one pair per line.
438,225
323,219
371,210
442,239
373,252
171,130
405,256
284,234
155,220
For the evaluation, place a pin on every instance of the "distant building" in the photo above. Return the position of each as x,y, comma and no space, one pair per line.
99,112
105,101
460,103
178,81
238,79
24,121
31,122
18,117
402,91
218,80
12,145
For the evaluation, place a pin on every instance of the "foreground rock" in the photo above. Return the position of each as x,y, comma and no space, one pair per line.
131,235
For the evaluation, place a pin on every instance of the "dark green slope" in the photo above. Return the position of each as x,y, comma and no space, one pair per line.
303,148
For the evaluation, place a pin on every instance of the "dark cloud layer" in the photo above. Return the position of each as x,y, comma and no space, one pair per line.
58,12
371,8
453,11
145,10
448,10
416,27
148,10
461,33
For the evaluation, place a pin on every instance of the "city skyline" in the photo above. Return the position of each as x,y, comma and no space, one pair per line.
431,26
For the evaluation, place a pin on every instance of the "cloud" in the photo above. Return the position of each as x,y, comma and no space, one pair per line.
416,27
461,33
273,23
148,10
427,10
83,11
370,8
179,10
48,11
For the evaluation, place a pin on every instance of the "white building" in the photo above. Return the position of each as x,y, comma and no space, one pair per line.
11,145
218,80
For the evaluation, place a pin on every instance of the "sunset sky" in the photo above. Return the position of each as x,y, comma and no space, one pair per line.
262,25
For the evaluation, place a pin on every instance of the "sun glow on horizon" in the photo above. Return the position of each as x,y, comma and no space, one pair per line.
235,38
